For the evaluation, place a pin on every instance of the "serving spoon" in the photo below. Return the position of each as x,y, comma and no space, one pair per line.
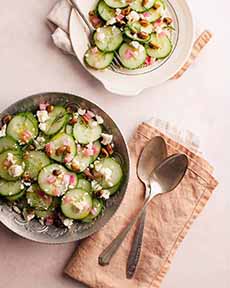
152,154
165,177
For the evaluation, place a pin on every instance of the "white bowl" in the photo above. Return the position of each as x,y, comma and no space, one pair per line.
130,83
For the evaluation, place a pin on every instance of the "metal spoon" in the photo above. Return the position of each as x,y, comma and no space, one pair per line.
166,176
152,154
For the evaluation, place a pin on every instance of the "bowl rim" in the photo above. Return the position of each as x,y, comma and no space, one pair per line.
128,163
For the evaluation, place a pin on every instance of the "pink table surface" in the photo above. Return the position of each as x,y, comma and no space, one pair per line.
199,101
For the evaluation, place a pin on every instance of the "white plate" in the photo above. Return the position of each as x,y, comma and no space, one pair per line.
130,83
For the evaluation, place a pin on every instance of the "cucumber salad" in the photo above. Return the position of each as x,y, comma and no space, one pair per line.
57,165
136,32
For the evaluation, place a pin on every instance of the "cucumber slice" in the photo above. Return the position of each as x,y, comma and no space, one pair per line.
97,150
116,3
97,59
105,11
86,133
165,47
56,185
138,7
57,119
134,36
6,169
16,196
69,130
76,204
136,56
35,161
58,141
7,143
10,188
137,27
95,211
153,14
84,185
108,166
23,127
80,162
114,189
36,198
112,38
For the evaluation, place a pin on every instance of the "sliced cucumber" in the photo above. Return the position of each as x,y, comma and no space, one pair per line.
108,166
69,130
35,161
6,169
111,38
86,133
55,144
95,211
36,198
153,14
80,162
105,11
114,189
84,185
76,204
134,36
138,7
55,180
7,143
23,127
97,150
136,56
116,3
16,196
57,119
10,188
97,59
165,47
137,27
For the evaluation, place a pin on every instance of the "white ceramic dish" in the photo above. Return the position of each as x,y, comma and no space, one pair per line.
130,83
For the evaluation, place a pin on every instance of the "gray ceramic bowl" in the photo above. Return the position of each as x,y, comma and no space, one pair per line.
50,234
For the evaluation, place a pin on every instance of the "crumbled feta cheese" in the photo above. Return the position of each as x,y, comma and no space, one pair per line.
106,172
133,16
10,158
91,166
15,170
81,111
30,189
22,186
158,29
27,184
135,44
43,116
42,126
118,11
40,139
93,124
68,222
96,186
105,194
100,36
99,119
3,131
111,21
107,138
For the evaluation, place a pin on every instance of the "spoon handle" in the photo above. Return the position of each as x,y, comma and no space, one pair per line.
135,251
105,257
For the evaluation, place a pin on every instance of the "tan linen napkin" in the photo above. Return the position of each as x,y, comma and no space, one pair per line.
169,217
58,20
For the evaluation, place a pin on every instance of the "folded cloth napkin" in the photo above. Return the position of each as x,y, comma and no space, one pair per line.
169,217
58,20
